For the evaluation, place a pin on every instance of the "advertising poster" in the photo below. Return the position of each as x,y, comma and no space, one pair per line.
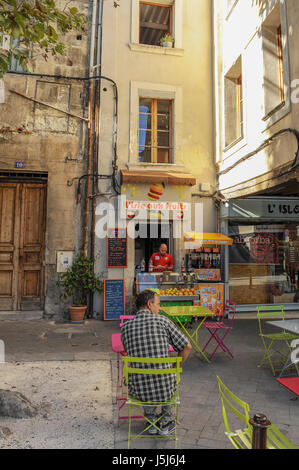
211,297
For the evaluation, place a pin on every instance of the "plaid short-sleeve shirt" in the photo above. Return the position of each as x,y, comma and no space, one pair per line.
149,335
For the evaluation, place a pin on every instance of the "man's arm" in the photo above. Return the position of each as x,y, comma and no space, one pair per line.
185,352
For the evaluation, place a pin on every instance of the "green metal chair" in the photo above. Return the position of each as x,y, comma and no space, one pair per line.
274,342
242,438
131,401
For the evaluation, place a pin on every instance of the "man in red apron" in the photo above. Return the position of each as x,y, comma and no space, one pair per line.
161,261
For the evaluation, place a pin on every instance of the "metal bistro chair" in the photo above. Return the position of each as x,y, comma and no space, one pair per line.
174,363
274,342
242,439
215,327
117,347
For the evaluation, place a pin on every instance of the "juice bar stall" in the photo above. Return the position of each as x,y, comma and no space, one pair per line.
205,262
174,289
200,280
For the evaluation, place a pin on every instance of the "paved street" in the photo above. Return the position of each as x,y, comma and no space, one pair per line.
200,415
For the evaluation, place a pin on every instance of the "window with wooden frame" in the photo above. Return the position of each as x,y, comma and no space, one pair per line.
273,80
155,20
155,130
233,104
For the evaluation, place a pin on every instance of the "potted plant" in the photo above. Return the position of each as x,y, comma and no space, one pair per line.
166,40
77,282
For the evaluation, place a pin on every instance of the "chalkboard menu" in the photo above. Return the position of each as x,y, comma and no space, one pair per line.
117,248
114,299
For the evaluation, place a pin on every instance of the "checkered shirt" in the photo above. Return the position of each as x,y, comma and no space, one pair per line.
149,335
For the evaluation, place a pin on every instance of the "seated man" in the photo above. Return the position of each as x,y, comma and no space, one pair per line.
150,335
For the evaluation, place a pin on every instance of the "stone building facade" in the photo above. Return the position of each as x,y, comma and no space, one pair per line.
43,146
164,126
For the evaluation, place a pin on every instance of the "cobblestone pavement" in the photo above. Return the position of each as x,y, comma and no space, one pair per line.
200,417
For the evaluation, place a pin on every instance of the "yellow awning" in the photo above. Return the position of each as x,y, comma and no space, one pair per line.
197,238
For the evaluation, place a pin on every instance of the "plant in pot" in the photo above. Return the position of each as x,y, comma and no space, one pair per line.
166,40
77,282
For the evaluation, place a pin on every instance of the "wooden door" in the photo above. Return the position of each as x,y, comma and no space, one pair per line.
22,234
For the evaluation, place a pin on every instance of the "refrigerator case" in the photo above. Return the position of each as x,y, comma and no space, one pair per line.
211,297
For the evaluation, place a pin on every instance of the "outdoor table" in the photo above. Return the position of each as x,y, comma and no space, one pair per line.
289,325
181,316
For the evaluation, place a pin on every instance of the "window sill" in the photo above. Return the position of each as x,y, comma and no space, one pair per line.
234,144
155,166
145,48
273,111
276,114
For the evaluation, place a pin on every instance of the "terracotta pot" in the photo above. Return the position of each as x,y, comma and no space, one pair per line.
77,313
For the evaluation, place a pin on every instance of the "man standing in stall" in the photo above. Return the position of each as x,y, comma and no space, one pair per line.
161,261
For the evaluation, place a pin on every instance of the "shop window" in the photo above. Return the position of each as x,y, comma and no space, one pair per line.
273,74
233,104
155,21
264,263
155,131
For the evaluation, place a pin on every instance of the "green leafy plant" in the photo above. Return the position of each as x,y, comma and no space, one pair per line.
35,26
166,38
79,280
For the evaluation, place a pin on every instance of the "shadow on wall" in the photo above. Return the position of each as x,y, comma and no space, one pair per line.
263,5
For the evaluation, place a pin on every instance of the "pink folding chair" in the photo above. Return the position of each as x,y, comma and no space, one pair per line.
215,327
121,396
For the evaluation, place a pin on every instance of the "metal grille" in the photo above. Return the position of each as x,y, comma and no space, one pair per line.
24,176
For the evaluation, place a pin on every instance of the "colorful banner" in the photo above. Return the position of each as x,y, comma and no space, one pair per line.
211,297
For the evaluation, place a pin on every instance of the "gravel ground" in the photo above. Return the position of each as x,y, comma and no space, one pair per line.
73,400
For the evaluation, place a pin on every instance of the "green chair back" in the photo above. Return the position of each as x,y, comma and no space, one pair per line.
243,438
131,367
239,408
277,440
174,361
269,311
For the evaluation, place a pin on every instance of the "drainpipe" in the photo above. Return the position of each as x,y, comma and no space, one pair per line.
90,128
97,120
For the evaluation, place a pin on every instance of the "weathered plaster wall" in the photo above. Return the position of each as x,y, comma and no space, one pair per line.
244,22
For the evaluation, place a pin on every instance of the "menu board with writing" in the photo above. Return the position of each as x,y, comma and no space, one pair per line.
114,299
117,248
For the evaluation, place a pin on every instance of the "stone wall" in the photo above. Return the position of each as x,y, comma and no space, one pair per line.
52,142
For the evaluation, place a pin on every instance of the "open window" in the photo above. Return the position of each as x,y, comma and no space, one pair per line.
155,20
233,104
